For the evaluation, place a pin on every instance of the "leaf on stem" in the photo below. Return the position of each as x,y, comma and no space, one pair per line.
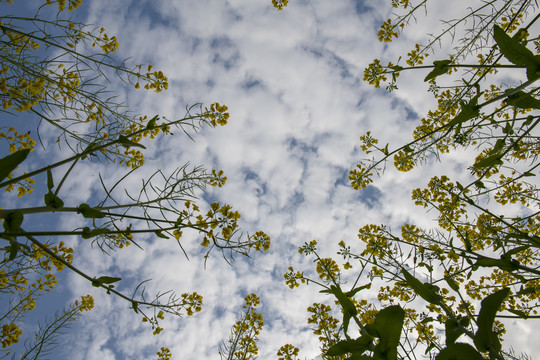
523,100
425,291
105,280
440,67
485,338
125,142
459,351
10,162
87,233
90,213
355,347
387,327
454,329
517,53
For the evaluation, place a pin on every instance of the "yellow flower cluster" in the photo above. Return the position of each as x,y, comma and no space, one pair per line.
20,93
368,142
403,161
164,354
327,269
217,216
20,42
260,241
18,141
86,303
509,26
280,4
155,80
248,329
66,253
326,325
374,74
377,242
120,240
416,56
514,191
24,187
217,114
387,31
288,352
292,277
403,3
192,303
440,195
10,334
360,177
218,179
72,4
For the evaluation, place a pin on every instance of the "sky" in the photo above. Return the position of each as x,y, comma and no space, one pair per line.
293,83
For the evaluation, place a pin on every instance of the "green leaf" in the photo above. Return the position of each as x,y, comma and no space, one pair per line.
125,142
355,290
152,123
87,233
517,53
459,351
388,324
90,213
523,100
349,309
160,234
105,280
441,67
425,292
453,285
135,306
453,329
505,264
357,346
13,221
468,111
13,249
53,200
10,162
50,182
519,313
485,338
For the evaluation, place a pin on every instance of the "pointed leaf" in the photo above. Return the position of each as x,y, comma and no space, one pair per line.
517,53
485,338
125,142
441,67
357,346
87,233
453,329
50,182
13,221
388,324
422,290
160,234
53,200
523,100
459,351
10,162
349,309
453,285
90,213
152,123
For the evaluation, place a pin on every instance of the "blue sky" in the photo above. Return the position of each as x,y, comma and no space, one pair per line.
293,83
